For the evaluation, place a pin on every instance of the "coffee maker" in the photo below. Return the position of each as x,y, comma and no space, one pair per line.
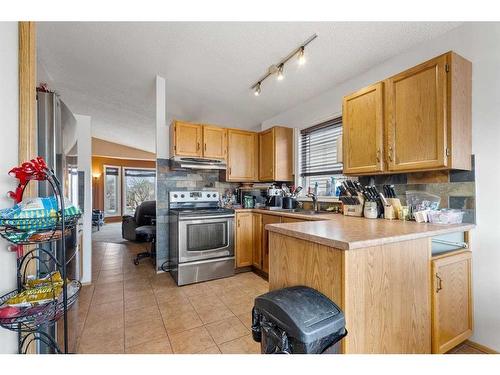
274,197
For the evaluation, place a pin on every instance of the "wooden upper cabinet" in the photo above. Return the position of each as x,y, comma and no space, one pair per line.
214,142
276,154
451,300
363,130
416,122
187,139
242,155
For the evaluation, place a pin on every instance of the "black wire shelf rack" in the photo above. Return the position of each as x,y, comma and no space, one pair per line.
40,244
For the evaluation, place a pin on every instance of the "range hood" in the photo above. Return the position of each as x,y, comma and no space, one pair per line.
184,162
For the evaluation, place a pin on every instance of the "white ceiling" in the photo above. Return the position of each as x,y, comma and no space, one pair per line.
107,70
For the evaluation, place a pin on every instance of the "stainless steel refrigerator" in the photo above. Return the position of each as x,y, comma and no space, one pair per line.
57,144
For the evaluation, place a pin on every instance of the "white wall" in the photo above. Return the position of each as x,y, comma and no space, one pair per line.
84,139
162,126
478,42
9,158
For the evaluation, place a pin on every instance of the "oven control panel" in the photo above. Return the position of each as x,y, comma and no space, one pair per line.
193,196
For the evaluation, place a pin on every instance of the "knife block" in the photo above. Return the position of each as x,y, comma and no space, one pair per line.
395,203
354,209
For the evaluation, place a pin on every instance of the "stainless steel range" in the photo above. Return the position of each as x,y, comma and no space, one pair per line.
201,237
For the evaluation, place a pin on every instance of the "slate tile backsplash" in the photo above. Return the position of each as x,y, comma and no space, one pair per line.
167,180
457,189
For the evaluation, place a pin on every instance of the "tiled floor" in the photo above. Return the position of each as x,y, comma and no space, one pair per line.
131,309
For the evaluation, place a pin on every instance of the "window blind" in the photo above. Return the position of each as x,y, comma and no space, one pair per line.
129,172
318,149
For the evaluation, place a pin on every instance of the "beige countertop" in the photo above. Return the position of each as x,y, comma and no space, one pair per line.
295,215
347,232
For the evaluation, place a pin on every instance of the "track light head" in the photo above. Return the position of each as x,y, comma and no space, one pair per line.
302,56
280,75
257,89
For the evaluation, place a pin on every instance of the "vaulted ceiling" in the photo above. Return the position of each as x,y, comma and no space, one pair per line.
107,70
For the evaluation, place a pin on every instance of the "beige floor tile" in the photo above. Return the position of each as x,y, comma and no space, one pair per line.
226,330
191,341
168,309
211,350
98,324
108,343
140,302
144,331
201,289
129,295
182,322
157,346
203,301
171,295
242,345
142,314
107,308
115,286
106,297
213,314
246,319
108,279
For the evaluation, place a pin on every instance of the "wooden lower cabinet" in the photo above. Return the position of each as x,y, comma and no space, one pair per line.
257,241
291,220
451,300
244,239
267,219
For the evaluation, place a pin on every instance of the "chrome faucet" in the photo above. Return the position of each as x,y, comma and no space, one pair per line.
315,201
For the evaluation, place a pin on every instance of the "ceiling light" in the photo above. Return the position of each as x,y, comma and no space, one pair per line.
280,66
257,89
280,73
302,56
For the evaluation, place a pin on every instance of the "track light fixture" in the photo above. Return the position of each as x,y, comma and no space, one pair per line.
280,66
302,56
257,89
280,75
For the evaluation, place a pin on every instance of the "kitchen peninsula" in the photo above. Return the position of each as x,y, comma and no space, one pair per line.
383,275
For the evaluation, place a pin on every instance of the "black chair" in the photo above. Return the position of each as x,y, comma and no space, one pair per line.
142,227
97,218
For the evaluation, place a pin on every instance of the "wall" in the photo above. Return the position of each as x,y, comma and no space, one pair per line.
84,150
103,148
479,43
98,183
9,114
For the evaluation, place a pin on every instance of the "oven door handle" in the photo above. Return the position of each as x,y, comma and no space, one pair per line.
196,218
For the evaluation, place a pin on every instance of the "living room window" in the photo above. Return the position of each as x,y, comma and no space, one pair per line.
112,190
318,157
138,186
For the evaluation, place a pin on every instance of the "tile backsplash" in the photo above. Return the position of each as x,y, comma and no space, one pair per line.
457,189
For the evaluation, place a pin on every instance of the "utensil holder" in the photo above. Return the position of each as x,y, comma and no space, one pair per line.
396,205
354,209
389,212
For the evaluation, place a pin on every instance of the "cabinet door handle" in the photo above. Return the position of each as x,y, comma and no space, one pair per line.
238,223
230,171
198,146
439,283
205,146
378,156
390,153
